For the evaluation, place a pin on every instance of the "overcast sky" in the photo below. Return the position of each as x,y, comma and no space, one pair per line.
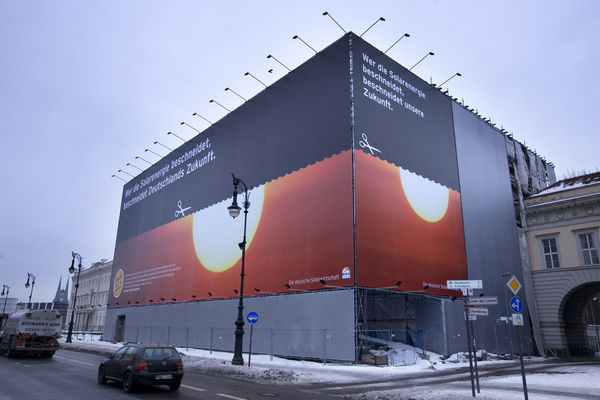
85,86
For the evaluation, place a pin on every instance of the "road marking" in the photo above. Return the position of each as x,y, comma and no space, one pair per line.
193,388
77,361
230,397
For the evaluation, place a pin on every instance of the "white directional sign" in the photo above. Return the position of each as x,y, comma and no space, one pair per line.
482,311
471,284
484,301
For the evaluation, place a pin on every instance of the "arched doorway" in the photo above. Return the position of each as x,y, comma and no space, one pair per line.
581,308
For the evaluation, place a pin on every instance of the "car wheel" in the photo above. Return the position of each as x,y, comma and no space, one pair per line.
128,382
174,385
101,375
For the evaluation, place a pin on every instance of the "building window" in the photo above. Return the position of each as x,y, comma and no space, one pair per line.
550,252
589,248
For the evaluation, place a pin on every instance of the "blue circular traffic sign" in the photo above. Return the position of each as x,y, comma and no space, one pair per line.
516,304
252,317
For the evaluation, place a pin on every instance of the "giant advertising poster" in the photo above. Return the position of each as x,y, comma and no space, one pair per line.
291,146
409,225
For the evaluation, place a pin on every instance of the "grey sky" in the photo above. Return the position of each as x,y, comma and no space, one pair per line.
85,86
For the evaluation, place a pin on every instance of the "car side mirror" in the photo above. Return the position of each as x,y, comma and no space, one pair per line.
109,356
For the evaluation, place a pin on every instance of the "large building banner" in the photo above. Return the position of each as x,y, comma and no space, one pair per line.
409,225
351,164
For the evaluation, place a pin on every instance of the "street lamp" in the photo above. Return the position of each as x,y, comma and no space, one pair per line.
234,211
71,270
5,290
32,276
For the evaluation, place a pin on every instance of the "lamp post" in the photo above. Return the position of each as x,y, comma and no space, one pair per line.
32,277
71,270
5,290
234,211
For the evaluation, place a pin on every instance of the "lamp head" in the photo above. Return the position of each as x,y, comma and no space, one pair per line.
398,283
431,53
406,35
234,209
269,56
458,74
246,73
211,101
2,292
287,285
72,267
322,281
381,19
226,89
271,71
325,13
295,37
156,142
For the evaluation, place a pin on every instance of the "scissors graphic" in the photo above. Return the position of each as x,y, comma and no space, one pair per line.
181,210
365,143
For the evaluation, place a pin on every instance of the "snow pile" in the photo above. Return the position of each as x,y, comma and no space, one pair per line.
398,354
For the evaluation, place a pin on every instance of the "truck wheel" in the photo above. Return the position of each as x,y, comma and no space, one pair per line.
128,385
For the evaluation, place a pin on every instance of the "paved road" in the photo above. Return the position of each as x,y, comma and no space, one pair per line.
72,375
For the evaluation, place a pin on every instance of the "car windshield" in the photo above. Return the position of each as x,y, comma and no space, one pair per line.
160,353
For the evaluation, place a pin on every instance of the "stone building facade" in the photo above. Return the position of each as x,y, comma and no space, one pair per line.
562,233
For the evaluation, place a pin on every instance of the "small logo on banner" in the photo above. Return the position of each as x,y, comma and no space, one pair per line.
345,273
118,283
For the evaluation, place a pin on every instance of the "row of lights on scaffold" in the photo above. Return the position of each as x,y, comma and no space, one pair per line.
228,89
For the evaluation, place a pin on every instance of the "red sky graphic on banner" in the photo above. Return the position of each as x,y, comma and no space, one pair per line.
395,243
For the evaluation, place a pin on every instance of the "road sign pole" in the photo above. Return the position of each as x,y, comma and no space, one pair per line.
250,348
469,343
475,355
522,365
508,324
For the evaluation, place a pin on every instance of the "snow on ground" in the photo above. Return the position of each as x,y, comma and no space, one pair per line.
579,379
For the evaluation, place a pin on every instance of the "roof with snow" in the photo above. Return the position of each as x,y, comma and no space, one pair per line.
571,183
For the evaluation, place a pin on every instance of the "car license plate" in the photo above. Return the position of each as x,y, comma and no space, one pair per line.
165,376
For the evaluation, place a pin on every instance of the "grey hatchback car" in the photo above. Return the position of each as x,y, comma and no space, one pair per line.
136,364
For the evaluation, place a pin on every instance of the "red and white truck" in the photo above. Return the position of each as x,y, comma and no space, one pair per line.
33,332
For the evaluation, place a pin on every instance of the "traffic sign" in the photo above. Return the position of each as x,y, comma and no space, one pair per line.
465,284
472,317
517,320
484,301
252,317
514,285
481,311
516,304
